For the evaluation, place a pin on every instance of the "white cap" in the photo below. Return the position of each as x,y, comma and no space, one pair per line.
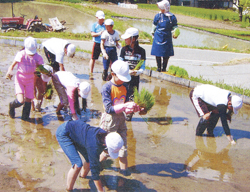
121,69
71,50
165,5
100,15
44,77
30,45
114,143
84,89
236,103
109,22
130,32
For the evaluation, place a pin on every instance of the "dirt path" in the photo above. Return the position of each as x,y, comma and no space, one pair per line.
149,14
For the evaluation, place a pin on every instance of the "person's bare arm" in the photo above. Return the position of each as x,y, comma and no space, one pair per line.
9,72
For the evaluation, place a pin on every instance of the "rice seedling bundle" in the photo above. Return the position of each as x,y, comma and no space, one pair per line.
48,92
138,66
144,99
176,32
41,69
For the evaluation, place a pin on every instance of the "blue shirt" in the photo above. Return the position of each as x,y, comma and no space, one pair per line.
96,27
85,136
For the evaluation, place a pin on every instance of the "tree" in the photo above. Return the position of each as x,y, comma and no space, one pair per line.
242,5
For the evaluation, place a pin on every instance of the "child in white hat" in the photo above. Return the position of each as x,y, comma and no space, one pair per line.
55,49
109,42
77,137
115,100
27,61
96,31
69,88
133,54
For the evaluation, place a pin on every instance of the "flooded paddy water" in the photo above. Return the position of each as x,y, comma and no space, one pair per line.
163,152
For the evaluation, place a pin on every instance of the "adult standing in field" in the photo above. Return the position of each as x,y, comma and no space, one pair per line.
96,32
163,25
55,49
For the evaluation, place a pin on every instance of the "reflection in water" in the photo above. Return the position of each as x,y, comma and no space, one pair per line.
30,142
207,163
162,99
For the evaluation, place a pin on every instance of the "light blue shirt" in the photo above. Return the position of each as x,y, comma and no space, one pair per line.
96,27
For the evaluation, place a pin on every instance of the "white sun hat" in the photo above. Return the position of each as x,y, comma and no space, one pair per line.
44,77
121,69
84,89
30,45
114,143
109,22
236,103
100,15
130,32
71,50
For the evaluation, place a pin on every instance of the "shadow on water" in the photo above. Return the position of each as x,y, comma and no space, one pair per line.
237,134
174,170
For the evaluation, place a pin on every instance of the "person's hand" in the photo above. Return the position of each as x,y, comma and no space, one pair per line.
174,37
105,56
131,107
132,72
9,75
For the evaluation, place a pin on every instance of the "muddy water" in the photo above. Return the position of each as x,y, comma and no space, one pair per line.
160,143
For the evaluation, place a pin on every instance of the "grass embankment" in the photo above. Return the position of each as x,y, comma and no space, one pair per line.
182,73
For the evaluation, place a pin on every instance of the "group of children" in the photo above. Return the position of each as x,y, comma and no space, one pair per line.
106,42
116,93
110,138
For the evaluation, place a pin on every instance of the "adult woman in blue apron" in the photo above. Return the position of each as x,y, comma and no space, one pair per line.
163,25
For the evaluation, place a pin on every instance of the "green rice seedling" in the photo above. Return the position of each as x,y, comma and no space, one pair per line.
144,99
49,91
182,73
173,70
41,69
176,32
138,66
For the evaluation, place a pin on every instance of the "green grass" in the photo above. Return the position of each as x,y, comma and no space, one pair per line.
180,72
211,14
222,85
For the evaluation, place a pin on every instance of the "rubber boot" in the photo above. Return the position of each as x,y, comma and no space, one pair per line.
158,61
14,104
104,75
165,63
26,111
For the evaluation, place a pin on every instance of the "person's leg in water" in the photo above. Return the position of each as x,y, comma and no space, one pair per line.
18,102
165,63
201,127
158,61
212,122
